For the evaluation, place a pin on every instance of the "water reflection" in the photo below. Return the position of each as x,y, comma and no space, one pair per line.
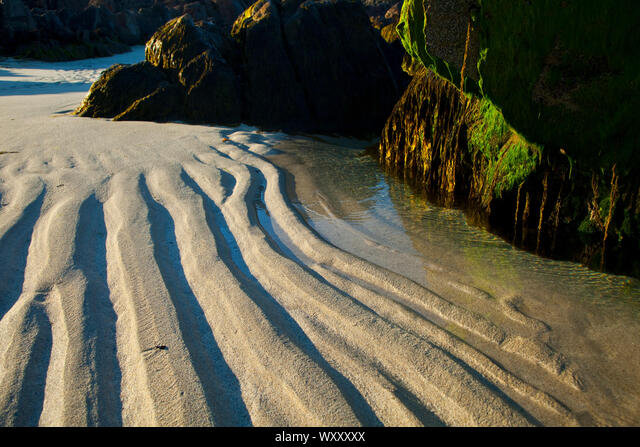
347,190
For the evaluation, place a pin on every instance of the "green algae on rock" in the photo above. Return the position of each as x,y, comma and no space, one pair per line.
543,144
564,73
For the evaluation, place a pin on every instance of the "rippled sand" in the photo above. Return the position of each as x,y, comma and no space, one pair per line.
158,274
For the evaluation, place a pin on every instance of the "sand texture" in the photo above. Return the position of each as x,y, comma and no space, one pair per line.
157,274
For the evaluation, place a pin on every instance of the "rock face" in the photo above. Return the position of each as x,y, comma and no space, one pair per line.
315,66
557,74
73,29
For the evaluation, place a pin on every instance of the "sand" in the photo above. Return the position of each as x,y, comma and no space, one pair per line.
158,274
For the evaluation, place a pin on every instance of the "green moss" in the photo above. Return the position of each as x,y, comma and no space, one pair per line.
565,74
510,158
410,28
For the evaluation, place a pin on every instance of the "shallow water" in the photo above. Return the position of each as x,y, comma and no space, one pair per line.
593,317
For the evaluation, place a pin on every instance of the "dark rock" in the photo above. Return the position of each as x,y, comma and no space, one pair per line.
273,94
127,27
52,27
107,4
17,23
56,28
119,87
164,103
196,10
348,83
150,19
178,42
213,92
313,66
230,10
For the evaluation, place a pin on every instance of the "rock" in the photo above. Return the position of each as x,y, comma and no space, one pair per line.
51,24
118,87
196,11
127,27
230,10
150,19
98,26
347,82
17,23
273,94
106,4
445,36
543,145
177,42
195,56
393,13
164,103
213,92
312,66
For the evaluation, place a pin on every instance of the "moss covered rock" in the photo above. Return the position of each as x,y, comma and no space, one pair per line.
564,73
542,145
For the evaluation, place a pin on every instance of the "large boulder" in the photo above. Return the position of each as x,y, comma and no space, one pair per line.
313,66
542,145
199,58
213,91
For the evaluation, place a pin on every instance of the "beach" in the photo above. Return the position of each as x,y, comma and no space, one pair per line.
159,274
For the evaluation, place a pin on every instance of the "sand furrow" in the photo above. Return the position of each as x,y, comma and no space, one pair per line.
415,296
91,370
161,372
259,342
26,361
17,229
411,320
25,366
297,290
